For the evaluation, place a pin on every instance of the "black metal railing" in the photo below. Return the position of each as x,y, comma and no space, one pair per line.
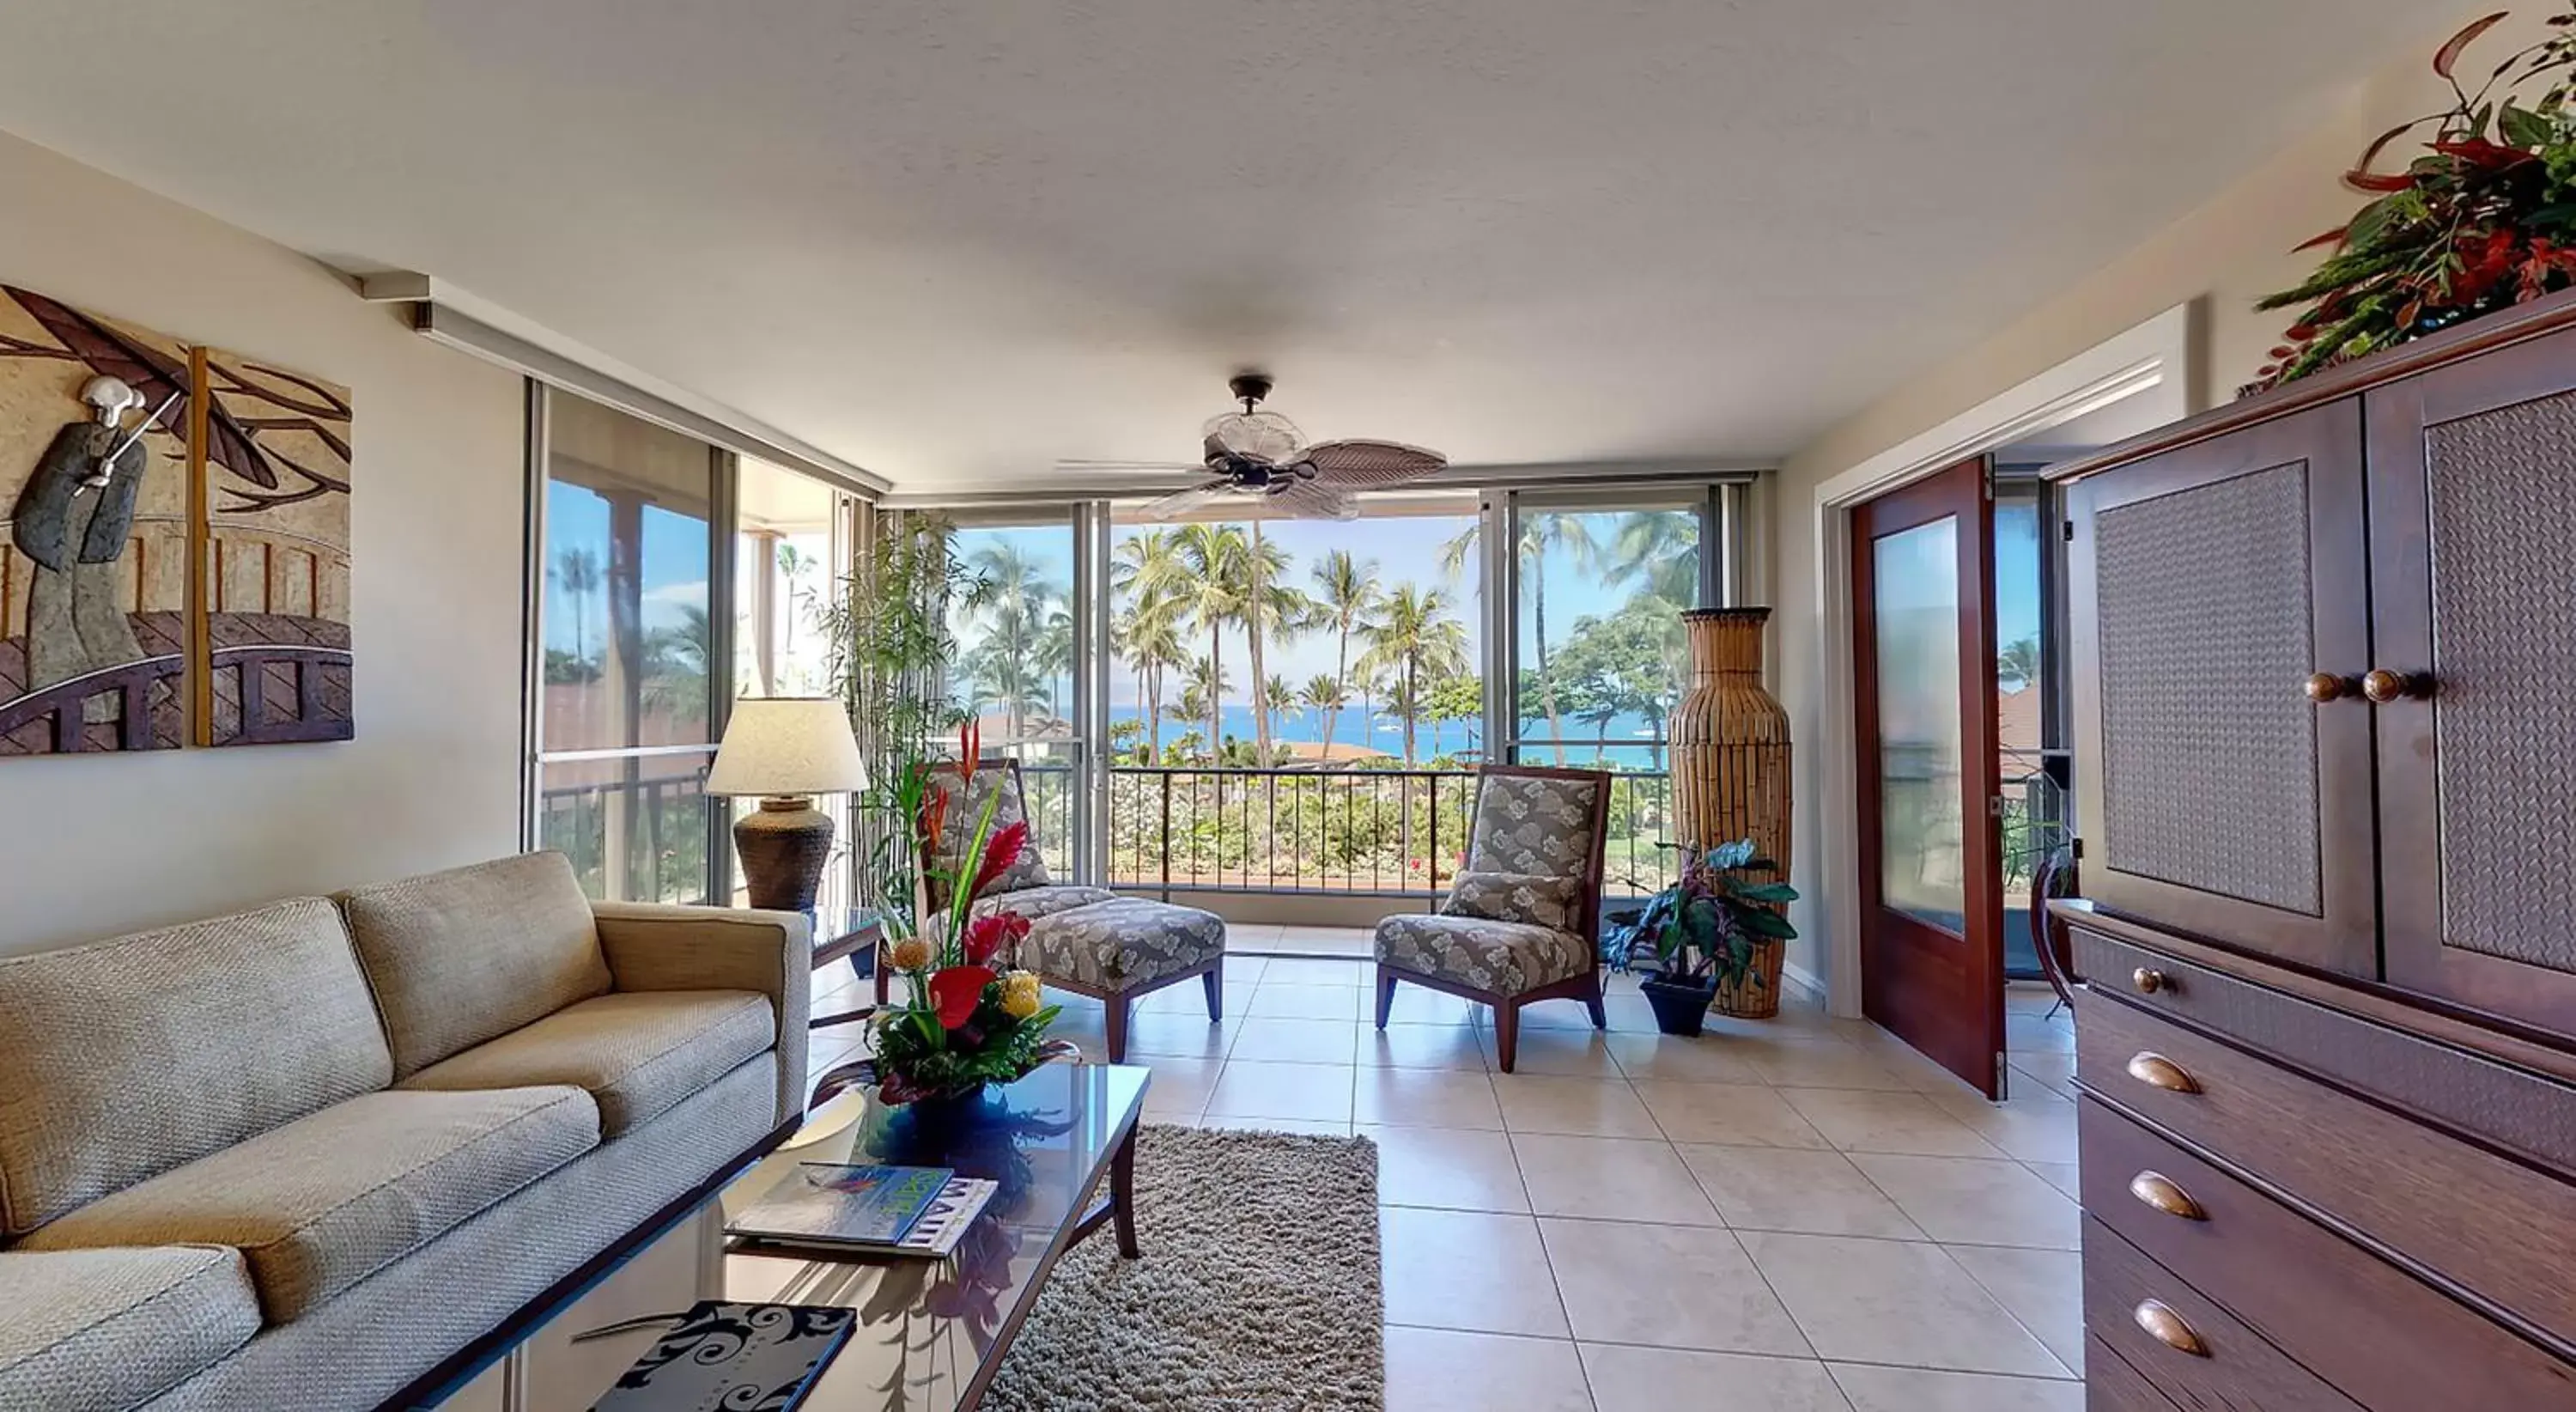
664,820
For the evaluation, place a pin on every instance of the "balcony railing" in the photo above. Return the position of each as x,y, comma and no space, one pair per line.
1319,831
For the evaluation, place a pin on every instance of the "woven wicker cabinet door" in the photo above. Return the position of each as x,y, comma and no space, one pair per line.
2473,507
2207,585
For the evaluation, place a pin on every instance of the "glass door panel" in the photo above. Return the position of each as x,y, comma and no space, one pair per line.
1921,834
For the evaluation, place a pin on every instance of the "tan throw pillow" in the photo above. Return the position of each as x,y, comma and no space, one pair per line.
1532,898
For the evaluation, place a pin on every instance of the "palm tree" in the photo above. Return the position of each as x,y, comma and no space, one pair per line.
1205,580
1326,696
1540,532
1270,608
1346,601
793,565
675,666
1658,550
1418,642
1203,691
2018,663
577,574
1008,589
1053,657
1278,698
1148,638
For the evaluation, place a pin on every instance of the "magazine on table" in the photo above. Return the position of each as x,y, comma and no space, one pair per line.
867,1209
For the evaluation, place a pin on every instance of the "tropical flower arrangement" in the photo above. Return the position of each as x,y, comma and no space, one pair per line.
963,1022
2484,219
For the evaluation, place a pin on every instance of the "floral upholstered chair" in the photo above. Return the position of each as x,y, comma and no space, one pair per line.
1087,940
1522,921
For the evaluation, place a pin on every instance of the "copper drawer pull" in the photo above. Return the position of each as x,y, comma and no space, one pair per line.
2158,1190
2167,1327
2157,1071
2149,980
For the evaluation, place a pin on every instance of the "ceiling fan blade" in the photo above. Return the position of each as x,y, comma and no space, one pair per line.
1181,502
1072,463
1313,500
1359,464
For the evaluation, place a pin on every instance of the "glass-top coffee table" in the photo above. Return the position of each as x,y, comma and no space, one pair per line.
930,1333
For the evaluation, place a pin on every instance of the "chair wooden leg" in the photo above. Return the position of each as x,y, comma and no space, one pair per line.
1214,983
1385,994
1507,1031
1116,1005
1592,1001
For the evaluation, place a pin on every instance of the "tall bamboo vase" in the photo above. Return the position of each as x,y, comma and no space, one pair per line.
1731,767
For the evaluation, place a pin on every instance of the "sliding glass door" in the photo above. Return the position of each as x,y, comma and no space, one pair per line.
1019,668
629,679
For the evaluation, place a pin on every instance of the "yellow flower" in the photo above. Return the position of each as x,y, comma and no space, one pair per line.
1020,998
910,954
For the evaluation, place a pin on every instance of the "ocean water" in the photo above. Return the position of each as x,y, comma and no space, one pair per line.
1625,736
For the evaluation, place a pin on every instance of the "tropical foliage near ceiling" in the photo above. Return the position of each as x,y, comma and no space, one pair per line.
2482,219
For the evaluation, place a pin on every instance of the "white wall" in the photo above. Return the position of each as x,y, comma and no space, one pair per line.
2225,255
94,845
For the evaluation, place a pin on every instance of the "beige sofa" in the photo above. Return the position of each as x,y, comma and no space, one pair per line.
298,1156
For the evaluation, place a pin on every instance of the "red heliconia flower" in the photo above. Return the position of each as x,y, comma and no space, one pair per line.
970,747
1000,852
956,991
986,936
934,815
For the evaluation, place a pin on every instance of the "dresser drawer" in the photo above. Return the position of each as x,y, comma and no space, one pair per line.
2205,1358
2385,1339
2524,1113
2111,1385
2478,1221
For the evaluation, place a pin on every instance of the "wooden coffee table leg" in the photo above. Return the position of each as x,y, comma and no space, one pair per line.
1122,1195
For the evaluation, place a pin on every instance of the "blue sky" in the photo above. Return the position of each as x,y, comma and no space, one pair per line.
675,565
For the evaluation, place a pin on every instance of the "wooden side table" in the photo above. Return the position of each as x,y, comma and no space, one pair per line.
847,935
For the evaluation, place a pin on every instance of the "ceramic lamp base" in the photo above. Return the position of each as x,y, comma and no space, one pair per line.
784,844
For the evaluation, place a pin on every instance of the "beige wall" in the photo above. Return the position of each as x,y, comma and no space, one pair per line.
2227,254
90,846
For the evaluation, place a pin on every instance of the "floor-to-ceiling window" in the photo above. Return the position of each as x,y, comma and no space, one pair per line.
791,557
2028,689
1016,670
629,676
1599,658
1295,705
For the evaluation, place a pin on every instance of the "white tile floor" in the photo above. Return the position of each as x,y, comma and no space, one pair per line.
1799,1215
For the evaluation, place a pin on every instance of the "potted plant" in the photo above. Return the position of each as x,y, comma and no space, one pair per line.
1715,930
963,1022
2484,217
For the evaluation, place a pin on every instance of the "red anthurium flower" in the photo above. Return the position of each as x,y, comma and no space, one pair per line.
956,992
986,936
1000,852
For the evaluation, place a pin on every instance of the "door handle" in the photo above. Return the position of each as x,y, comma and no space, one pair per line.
2384,686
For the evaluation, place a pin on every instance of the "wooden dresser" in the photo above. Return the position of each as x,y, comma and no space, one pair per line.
2324,664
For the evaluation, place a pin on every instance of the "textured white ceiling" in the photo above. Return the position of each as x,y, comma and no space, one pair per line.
955,241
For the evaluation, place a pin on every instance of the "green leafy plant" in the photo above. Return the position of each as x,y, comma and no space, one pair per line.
890,646
1708,928
2483,219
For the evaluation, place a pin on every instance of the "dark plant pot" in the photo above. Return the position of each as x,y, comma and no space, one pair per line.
1681,1007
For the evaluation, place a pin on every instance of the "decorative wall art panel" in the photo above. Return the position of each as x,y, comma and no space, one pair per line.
133,464
94,572
276,608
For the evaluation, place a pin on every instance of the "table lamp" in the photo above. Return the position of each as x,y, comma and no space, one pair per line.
785,749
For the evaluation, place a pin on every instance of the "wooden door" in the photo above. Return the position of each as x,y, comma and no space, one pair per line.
2206,586
1923,635
2473,590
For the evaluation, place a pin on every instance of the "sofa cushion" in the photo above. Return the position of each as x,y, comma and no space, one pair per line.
329,1199
460,956
125,1059
1121,944
1499,958
95,1330
636,1052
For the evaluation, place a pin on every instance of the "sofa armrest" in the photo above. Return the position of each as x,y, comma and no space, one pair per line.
660,946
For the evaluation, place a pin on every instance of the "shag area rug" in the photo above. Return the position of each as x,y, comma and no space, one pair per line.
1258,1289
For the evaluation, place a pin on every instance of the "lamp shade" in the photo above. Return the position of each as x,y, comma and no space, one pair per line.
786,745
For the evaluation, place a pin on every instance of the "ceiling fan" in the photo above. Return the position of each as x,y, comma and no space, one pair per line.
1261,457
